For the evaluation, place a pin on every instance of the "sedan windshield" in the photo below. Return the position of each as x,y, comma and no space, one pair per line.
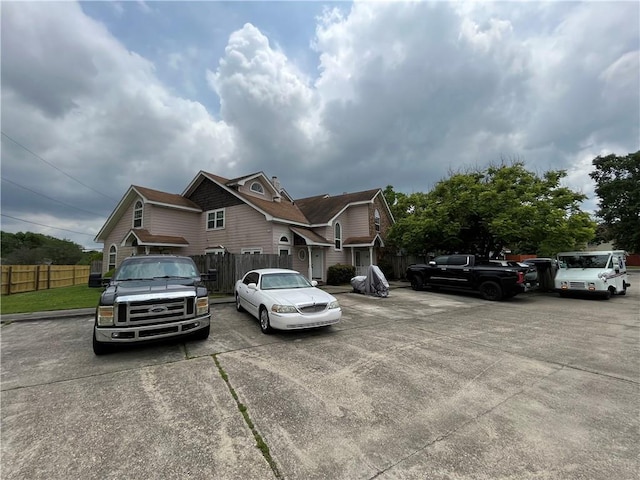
277,281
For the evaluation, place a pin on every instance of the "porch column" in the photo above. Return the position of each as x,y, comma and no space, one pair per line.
310,263
353,256
370,255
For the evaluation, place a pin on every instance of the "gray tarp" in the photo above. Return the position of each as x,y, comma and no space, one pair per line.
374,283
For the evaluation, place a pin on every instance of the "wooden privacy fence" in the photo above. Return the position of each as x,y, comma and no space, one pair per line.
224,270
28,278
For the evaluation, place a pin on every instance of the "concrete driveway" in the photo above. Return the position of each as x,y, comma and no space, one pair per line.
417,385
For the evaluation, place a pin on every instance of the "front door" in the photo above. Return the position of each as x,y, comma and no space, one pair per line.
362,261
317,264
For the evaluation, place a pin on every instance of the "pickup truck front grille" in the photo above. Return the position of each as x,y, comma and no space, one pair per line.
155,311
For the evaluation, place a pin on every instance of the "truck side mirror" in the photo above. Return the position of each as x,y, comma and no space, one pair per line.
432,263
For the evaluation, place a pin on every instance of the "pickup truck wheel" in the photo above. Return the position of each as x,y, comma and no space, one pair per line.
491,291
238,306
100,348
265,325
416,283
607,295
623,291
202,334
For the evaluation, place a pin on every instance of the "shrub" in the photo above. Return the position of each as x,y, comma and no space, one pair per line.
387,268
338,274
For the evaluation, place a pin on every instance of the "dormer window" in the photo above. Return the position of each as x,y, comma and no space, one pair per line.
256,187
137,215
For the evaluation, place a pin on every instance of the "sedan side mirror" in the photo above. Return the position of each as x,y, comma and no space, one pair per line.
314,283
252,286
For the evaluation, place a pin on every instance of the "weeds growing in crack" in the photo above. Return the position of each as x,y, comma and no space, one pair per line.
260,443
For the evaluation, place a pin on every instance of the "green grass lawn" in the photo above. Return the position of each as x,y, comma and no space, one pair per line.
63,298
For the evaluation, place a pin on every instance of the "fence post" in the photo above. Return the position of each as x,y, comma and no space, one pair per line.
48,277
38,277
9,280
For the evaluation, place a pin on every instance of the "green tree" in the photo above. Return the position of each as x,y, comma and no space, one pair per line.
617,181
30,248
484,211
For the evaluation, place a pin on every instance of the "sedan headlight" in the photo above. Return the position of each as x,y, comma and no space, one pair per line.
202,306
334,304
283,308
105,316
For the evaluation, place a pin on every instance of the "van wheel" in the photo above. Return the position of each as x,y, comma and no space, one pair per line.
624,291
491,291
100,348
607,295
416,283
265,325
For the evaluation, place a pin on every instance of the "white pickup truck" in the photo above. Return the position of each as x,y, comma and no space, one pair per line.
602,273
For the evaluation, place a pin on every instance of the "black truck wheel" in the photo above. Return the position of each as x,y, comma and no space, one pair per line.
100,348
416,282
491,291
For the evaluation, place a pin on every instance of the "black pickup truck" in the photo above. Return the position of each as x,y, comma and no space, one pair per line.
151,297
470,273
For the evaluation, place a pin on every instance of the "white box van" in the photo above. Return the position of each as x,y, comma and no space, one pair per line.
602,273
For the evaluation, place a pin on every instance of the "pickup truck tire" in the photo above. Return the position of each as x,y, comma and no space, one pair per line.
100,348
265,325
202,334
491,291
416,283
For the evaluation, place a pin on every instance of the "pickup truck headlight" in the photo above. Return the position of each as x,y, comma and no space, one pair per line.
105,316
334,304
202,306
283,308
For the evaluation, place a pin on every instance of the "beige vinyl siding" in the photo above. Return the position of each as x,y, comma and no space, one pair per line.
117,235
177,223
244,227
355,221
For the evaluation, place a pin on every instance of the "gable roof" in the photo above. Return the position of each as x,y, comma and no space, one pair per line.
322,209
148,195
144,238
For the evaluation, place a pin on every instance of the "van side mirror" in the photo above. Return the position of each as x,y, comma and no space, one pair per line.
432,263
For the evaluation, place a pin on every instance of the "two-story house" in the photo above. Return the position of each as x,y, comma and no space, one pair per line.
248,215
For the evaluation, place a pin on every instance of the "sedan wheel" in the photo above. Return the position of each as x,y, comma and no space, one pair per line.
238,306
265,325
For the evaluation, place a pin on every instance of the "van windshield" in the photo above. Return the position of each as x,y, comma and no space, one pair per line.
584,261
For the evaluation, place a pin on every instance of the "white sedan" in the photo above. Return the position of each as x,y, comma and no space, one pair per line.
285,300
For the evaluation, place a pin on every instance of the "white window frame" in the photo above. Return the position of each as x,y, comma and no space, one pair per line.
337,237
251,250
215,219
259,188
138,214
376,220
113,250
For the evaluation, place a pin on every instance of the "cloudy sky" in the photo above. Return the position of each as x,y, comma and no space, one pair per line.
330,97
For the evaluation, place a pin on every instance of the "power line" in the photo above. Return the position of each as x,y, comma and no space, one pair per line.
47,226
52,165
49,198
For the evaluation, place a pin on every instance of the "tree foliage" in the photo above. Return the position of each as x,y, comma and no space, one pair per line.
618,188
485,211
27,248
